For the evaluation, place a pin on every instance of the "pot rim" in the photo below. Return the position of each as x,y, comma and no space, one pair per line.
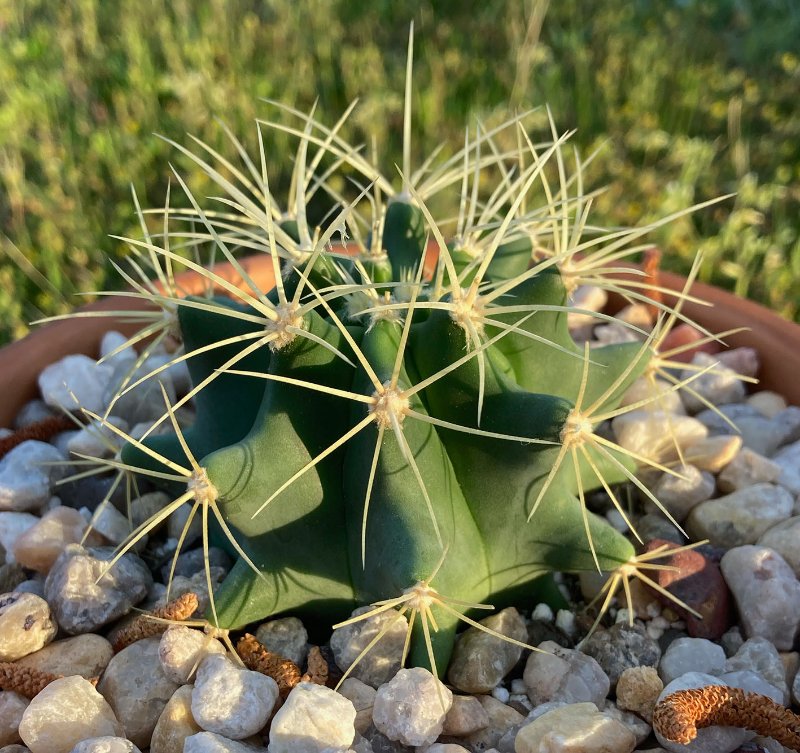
777,340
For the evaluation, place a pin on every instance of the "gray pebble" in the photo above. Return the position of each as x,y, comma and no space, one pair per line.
97,439
32,412
411,707
382,661
12,707
82,605
767,594
680,494
480,661
760,656
741,517
784,538
137,689
143,403
788,458
562,674
620,647
193,561
691,655
27,475
286,637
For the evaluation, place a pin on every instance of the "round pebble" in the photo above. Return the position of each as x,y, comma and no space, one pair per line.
747,469
362,696
26,625
784,538
39,546
182,649
27,474
66,712
719,385
12,525
230,701
411,707
637,691
691,655
286,637
312,719
760,656
466,716
714,739
680,494
75,381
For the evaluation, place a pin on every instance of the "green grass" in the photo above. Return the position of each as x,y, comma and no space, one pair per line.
690,99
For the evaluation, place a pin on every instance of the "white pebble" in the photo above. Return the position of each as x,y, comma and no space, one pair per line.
75,381
501,694
691,655
97,439
26,625
312,719
67,711
230,701
115,341
182,649
411,707
543,612
767,594
565,621
27,475
717,386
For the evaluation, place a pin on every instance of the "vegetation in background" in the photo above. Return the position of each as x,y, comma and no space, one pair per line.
686,99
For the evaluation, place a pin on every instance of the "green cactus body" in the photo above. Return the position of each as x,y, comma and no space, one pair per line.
446,491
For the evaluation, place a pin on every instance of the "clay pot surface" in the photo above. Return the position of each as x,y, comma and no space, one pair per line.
776,339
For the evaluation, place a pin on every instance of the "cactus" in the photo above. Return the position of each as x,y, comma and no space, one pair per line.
406,421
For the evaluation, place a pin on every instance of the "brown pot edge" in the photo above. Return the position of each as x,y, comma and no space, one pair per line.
777,340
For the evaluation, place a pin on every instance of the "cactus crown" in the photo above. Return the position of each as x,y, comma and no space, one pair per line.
404,421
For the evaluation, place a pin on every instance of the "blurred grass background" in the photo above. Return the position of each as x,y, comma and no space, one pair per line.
690,99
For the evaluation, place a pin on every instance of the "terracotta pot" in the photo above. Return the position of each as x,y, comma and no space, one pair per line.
776,340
